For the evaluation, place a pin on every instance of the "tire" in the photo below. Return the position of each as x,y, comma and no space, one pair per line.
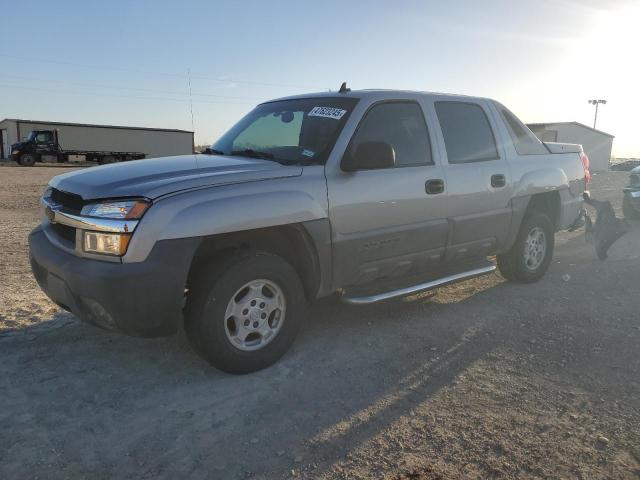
520,264
628,211
210,324
27,160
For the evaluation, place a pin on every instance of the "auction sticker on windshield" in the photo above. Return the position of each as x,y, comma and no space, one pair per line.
327,112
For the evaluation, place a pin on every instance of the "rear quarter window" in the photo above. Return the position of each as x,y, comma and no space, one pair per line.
524,140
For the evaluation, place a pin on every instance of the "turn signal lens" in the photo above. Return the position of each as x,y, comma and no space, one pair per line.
106,243
117,209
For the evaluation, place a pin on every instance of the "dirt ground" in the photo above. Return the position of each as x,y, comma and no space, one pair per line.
484,379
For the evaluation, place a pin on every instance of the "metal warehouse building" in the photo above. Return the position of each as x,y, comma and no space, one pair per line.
154,142
596,143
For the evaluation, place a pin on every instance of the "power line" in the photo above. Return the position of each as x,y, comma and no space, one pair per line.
138,89
97,94
156,73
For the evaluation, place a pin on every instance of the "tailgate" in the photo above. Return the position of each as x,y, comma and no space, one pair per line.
555,147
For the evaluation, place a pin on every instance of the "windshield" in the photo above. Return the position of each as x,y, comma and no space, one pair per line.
288,131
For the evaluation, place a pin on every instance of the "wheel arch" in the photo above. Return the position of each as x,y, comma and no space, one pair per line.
547,203
544,202
294,243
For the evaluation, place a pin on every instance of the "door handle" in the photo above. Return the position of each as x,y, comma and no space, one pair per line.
498,180
434,186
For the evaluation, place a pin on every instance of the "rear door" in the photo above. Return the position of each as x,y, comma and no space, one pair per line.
384,222
477,175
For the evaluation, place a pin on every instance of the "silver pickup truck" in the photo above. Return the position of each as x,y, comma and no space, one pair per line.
372,194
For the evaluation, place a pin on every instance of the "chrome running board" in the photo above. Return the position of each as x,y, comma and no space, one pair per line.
421,287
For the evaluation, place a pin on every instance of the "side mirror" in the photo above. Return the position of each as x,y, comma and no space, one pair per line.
370,156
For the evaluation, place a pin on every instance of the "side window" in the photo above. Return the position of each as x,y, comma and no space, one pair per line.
525,142
400,124
44,137
467,133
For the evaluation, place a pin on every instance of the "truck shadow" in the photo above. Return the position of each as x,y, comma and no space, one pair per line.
351,373
94,403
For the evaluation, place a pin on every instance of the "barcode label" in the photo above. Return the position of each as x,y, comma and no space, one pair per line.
327,112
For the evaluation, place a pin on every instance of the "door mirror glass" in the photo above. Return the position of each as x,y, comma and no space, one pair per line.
370,156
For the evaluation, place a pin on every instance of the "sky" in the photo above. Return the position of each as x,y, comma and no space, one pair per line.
130,62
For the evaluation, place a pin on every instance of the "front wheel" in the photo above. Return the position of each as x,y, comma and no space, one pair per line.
531,254
243,315
27,160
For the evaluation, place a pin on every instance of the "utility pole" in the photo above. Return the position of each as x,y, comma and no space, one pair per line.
596,103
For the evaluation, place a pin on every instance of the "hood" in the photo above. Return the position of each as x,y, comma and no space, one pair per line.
635,170
155,177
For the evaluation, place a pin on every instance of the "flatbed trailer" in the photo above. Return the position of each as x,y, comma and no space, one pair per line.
53,142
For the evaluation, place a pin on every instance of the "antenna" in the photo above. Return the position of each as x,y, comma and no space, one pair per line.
190,99
343,88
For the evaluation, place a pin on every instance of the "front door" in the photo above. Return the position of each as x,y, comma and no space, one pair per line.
388,222
44,141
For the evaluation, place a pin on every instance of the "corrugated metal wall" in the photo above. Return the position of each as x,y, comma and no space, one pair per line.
9,136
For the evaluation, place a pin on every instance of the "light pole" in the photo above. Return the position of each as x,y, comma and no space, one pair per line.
596,103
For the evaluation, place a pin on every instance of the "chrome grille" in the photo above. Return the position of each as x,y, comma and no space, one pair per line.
69,201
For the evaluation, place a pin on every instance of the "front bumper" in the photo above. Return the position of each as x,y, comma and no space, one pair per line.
142,299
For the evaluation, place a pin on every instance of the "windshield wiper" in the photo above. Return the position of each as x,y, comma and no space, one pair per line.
250,152
212,151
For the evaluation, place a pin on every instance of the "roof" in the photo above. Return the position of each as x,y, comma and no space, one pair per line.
371,94
93,125
570,123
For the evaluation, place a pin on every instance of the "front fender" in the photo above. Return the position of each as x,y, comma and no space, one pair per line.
235,214
220,210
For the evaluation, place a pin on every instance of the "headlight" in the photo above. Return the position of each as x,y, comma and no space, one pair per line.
15,152
106,243
116,209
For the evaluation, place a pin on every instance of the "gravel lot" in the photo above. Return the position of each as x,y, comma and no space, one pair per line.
484,379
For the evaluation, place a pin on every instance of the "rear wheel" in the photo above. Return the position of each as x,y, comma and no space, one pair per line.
243,315
531,254
27,160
